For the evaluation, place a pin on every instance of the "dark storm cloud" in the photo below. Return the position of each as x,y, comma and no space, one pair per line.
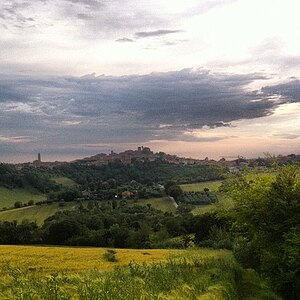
289,90
130,109
145,34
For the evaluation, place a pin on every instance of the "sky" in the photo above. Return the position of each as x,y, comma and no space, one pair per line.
205,78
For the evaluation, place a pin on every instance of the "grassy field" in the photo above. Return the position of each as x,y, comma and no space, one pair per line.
82,273
224,204
65,181
9,196
34,213
163,203
40,213
199,187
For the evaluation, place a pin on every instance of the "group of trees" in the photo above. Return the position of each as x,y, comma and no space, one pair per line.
106,224
40,179
266,228
146,173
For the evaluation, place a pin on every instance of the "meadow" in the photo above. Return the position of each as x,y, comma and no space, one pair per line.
82,273
200,186
37,213
9,196
164,204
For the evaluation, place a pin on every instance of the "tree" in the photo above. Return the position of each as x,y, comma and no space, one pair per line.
266,220
18,204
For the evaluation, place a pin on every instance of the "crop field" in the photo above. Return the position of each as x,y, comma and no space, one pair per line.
9,196
36,213
199,187
75,259
82,273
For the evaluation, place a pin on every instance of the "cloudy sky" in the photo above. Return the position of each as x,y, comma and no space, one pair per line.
216,78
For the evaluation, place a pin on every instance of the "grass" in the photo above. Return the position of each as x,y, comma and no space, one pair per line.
164,204
65,181
77,273
200,186
9,196
34,213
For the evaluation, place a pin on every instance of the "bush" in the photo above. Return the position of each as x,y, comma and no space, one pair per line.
110,255
18,204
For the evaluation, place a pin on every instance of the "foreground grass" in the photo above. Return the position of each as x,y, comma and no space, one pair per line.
9,196
201,274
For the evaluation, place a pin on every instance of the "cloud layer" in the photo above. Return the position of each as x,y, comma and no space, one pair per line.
62,112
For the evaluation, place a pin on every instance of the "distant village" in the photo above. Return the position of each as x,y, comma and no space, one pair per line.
143,154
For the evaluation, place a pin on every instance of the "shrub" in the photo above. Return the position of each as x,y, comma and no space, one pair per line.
110,255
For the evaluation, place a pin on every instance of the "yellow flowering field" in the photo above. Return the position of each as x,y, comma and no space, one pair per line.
75,259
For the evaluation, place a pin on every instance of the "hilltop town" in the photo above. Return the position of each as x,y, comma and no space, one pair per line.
142,154
145,154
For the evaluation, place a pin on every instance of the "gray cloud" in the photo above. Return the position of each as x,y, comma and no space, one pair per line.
290,90
145,34
64,112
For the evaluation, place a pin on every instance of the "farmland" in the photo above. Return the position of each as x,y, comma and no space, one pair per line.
75,259
83,273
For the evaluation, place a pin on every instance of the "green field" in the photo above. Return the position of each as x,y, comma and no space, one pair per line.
39,213
200,186
65,181
36,213
164,204
9,196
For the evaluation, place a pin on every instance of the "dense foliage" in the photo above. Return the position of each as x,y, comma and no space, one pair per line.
266,226
38,178
146,173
